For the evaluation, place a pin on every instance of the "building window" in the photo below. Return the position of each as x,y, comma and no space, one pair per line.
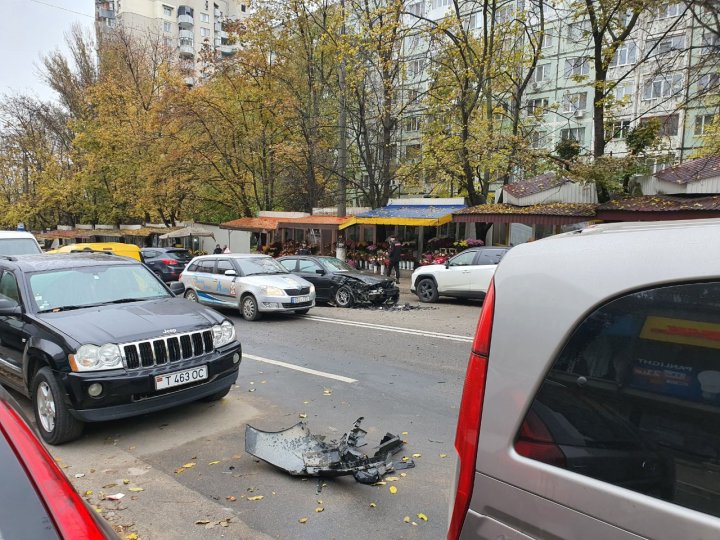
709,82
412,95
243,8
167,11
542,73
668,10
666,45
441,3
204,17
205,32
537,107
576,67
417,8
167,26
504,14
547,41
625,55
710,44
663,86
412,123
538,139
415,67
617,130
668,124
702,123
574,102
624,89
575,134
579,31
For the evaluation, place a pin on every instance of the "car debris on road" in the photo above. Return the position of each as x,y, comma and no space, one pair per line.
300,453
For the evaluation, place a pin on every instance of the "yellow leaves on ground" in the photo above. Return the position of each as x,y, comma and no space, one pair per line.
417,455
393,490
302,415
182,469
422,516
319,509
256,498
213,463
136,489
303,520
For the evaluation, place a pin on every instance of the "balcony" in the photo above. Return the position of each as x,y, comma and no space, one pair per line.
106,13
186,34
226,50
222,34
185,21
186,50
218,27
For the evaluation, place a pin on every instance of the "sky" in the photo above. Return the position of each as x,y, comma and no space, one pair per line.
30,29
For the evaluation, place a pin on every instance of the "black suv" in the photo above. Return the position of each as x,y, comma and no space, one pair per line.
93,337
167,263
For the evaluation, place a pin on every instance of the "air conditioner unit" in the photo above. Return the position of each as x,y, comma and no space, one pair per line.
579,113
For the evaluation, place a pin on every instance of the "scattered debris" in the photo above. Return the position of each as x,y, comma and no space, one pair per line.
115,497
397,307
299,453
303,520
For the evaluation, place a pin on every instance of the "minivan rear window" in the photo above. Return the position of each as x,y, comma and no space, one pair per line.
18,246
633,399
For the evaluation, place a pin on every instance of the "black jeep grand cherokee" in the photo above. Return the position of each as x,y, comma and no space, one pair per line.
93,337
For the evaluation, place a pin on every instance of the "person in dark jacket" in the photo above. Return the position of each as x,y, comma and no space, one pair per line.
217,249
394,257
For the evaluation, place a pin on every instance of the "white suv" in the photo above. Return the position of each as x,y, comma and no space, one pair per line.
466,275
591,406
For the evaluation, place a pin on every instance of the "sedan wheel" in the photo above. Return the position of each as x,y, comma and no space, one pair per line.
427,290
344,297
249,308
192,296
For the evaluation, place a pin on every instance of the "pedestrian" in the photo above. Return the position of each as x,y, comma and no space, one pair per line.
226,249
217,249
304,249
394,248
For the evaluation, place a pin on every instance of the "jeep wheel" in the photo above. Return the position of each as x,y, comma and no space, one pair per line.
344,297
191,295
249,308
426,290
217,396
54,421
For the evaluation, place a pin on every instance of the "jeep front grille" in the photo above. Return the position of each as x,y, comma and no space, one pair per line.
160,351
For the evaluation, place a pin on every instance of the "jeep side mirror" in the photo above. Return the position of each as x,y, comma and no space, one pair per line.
320,271
177,288
230,273
10,307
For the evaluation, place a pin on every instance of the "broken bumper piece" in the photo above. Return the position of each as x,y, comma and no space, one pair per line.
300,453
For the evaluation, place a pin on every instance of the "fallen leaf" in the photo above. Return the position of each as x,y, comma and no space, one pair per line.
263,382
405,458
373,505
187,466
224,523
306,402
404,433
403,474
131,536
303,520
136,489
251,390
126,482
180,470
406,519
422,516
89,492
443,455
392,479
256,498
108,486
115,497
413,524
327,392
202,522
213,463
379,483
319,501
417,455
231,498
319,509
393,490
302,415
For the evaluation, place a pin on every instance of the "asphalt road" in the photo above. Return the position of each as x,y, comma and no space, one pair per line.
184,472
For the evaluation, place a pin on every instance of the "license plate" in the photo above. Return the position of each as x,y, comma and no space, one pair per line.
179,378
299,299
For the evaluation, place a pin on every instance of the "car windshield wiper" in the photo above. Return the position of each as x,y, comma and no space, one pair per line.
67,308
129,300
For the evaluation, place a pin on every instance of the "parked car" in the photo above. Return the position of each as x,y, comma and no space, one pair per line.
591,406
94,337
466,275
38,499
116,248
167,263
254,284
18,243
339,283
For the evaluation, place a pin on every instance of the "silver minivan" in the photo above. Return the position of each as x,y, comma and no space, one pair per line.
254,284
591,406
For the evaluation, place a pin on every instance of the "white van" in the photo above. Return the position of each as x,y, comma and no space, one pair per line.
18,243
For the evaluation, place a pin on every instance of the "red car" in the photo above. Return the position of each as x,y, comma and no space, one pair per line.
38,500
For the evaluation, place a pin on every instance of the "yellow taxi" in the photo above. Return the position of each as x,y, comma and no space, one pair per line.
117,248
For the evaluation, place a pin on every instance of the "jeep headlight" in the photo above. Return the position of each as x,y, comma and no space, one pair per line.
223,334
269,290
94,358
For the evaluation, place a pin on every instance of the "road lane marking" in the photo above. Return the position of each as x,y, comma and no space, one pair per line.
340,378
397,329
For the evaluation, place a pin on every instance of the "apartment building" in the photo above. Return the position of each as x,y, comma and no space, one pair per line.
188,27
668,69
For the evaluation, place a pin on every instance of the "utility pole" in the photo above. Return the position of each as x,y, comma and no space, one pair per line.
342,126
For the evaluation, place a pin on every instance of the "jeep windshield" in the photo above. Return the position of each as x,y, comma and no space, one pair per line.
90,286
259,266
18,246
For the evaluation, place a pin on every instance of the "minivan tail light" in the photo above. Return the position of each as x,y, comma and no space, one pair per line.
470,414
68,511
